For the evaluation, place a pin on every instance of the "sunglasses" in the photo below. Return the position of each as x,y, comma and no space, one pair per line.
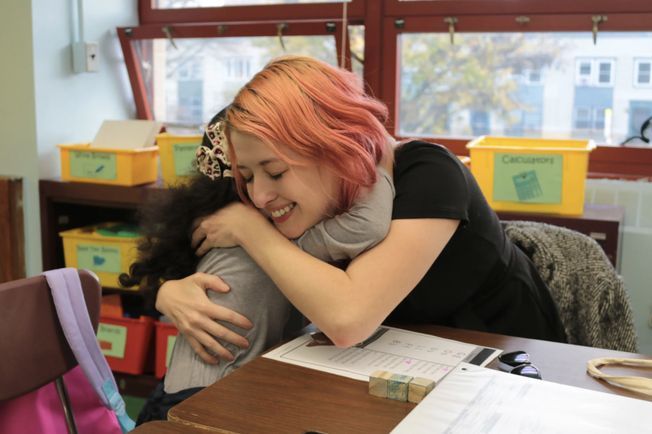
518,362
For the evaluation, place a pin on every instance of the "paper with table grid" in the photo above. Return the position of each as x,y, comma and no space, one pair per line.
389,349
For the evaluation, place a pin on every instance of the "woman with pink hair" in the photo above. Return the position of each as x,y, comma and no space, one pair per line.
305,142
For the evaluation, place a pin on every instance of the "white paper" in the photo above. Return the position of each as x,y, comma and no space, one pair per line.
398,351
472,399
127,134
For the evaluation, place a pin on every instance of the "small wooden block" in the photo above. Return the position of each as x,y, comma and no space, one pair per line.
397,387
378,383
419,388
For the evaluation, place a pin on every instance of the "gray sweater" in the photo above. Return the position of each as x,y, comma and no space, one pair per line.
254,295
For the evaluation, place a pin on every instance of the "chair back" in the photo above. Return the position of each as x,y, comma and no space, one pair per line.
33,347
591,297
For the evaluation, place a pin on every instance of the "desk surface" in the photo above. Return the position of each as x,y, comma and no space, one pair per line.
266,396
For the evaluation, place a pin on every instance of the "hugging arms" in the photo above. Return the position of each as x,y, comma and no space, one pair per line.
304,141
255,296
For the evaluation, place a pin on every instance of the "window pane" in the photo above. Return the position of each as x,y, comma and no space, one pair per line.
585,68
180,4
356,41
190,83
557,85
644,72
605,73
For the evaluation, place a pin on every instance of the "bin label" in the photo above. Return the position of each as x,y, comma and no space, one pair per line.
94,165
530,178
168,351
184,157
105,259
112,339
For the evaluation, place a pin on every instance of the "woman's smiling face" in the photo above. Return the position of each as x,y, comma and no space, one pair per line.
294,197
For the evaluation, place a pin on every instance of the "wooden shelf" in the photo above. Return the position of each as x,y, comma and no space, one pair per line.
136,385
67,205
122,291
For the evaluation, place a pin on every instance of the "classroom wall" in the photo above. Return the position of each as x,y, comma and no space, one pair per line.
43,102
18,153
636,245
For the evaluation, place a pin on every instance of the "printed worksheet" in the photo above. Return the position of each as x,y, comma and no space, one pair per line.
388,349
479,400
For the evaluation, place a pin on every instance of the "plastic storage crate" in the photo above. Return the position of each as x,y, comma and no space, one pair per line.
177,156
107,249
81,163
126,343
531,175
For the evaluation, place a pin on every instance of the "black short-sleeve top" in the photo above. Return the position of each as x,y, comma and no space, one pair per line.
481,280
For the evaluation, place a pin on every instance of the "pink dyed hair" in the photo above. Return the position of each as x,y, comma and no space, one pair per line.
318,111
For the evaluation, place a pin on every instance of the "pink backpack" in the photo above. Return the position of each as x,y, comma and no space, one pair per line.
97,406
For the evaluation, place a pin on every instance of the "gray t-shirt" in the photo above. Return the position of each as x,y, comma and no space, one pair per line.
254,295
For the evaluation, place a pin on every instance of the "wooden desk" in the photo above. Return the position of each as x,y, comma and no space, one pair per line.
266,396
166,427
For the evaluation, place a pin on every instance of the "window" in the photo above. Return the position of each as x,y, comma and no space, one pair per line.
605,73
182,4
238,68
583,118
527,84
533,77
194,78
594,72
592,123
643,72
521,68
583,73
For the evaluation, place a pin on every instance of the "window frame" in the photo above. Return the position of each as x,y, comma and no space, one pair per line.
386,20
594,74
280,12
637,62
503,16
128,35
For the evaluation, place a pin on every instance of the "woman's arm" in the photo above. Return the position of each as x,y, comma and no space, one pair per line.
185,302
347,305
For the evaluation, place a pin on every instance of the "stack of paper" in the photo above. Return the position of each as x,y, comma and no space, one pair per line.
473,399
129,134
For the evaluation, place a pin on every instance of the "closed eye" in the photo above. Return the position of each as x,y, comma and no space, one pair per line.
276,176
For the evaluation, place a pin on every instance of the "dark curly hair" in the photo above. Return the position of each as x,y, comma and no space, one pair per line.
166,223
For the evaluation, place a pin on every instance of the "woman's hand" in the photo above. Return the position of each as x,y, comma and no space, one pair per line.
185,302
221,228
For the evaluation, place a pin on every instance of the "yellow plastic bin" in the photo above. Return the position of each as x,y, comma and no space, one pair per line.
81,163
177,156
108,249
531,175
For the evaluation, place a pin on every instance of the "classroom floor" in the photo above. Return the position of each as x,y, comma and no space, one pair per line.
134,405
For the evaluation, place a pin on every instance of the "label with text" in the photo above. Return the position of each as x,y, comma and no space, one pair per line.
94,165
184,158
112,339
106,259
529,178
